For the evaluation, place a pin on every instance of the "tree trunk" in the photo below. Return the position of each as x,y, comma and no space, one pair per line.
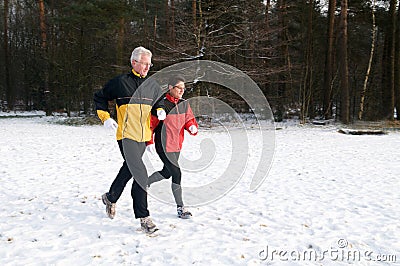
388,71
42,24
343,66
145,30
397,65
199,29
172,25
120,41
392,10
197,34
154,33
281,91
267,10
361,112
307,108
328,75
9,91
43,34
194,14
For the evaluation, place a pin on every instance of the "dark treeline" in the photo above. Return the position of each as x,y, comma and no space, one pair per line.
338,59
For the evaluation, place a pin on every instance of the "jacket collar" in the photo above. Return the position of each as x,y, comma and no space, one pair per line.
136,74
171,98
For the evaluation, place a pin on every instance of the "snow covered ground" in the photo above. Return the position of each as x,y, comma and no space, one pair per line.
329,199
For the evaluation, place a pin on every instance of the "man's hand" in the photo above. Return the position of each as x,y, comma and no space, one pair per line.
111,124
193,129
151,148
161,114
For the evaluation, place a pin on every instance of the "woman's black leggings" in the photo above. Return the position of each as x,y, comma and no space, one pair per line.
171,167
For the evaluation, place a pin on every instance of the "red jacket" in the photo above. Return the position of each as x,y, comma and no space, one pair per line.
169,133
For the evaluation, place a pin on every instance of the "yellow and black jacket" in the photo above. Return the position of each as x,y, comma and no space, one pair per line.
136,99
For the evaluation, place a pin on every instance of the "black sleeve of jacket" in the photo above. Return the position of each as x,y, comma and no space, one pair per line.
159,104
158,98
104,95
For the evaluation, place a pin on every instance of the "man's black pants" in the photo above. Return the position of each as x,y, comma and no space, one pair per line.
133,166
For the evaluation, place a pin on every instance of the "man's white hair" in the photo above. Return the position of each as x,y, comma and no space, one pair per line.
138,52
